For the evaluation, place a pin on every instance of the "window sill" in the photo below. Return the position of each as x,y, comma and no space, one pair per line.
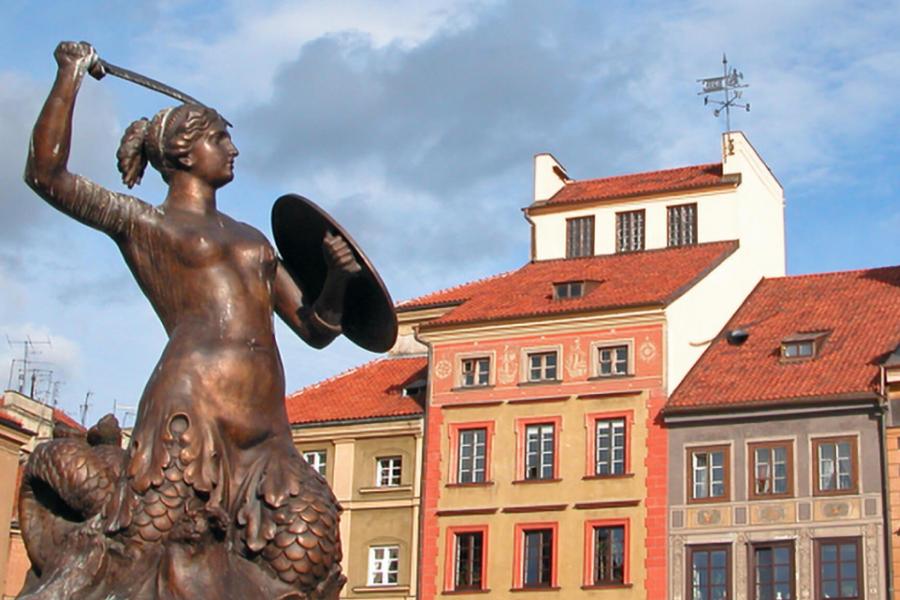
458,592
608,586
474,484
539,382
386,489
520,481
601,477
369,589
606,377
467,388
537,588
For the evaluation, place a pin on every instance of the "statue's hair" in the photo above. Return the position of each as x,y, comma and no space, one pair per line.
162,141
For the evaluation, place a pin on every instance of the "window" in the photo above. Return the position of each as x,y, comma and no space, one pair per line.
542,366
771,469
389,470
539,451
579,237
836,471
537,562
384,565
475,372
772,571
612,361
317,460
609,454
682,225
609,555
709,577
630,231
802,346
838,567
472,446
468,562
708,474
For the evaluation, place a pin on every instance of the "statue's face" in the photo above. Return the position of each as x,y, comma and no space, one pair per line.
212,156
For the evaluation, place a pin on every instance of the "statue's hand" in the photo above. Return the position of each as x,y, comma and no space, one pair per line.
79,55
338,255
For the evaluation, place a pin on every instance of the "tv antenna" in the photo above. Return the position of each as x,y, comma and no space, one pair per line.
729,83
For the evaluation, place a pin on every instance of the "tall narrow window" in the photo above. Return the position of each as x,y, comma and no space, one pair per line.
384,565
836,471
389,471
469,561
475,371
771,469
317,460
610,447
609,555
709,574
539,451
838,569
682,225
542,366
579,237
472,454
630,231
772,571
537,562
708,470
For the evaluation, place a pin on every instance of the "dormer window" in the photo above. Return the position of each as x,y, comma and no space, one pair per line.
566,290
802,346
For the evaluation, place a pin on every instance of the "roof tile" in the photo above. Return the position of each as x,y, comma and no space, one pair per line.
860,309
372,390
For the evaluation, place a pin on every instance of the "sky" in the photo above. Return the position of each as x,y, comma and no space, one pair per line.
414,123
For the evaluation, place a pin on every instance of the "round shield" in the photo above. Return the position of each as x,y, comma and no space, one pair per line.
299,226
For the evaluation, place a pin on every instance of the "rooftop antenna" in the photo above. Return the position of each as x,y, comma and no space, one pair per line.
84,407
28,351
729,83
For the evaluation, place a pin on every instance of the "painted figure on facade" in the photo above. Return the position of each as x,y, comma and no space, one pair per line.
211,500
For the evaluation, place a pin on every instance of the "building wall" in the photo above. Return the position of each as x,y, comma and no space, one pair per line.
803,517
373,516
575,497
11,441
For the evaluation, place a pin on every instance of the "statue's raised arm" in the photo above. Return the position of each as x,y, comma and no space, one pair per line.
46,168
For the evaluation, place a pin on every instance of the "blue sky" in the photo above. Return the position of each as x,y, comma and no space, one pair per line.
414,123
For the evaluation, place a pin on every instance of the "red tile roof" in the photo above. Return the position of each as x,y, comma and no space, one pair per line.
648,278
639,184
861,309
369,391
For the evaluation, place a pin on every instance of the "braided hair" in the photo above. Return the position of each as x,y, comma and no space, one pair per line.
162,141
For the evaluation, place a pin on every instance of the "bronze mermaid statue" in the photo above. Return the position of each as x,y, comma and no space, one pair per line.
211,499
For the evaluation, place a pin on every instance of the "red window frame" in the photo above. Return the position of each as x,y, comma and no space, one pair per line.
453,430
589,547
450,557
590,424
521,425
519,555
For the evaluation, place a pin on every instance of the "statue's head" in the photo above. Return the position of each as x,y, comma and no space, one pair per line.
167,140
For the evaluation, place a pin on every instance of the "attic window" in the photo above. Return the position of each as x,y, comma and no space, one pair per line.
566,290
802,346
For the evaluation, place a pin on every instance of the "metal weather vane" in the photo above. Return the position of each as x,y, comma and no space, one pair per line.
728,83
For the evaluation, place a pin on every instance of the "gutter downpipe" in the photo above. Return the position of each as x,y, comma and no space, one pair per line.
885,489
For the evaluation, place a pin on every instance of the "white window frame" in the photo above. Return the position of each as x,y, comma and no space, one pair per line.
317,459
596,347
388,471
381,559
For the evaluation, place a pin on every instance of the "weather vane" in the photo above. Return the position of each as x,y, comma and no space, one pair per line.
730,84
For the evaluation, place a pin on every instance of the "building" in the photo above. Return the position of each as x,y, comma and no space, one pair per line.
545,459
24,423
362,430
776,439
